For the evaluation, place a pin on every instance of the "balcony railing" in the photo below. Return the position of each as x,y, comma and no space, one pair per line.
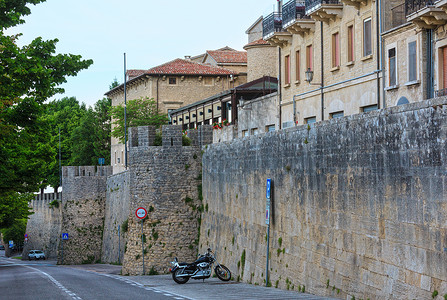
293,10
441,93
412,6
394,17
312,5
271,24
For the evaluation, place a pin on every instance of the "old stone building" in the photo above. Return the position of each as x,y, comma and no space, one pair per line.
330,64
175,84
262,58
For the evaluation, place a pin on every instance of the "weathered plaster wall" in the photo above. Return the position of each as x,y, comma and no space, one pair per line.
359,204
166,181
83,208
116,214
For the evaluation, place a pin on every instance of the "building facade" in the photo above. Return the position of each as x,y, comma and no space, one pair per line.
330,59
172,85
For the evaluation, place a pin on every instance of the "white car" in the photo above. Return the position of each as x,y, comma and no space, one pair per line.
36,254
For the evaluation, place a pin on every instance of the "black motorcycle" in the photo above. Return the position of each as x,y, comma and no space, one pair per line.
200,269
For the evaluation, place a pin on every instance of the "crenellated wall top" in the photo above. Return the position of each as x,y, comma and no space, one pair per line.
86,171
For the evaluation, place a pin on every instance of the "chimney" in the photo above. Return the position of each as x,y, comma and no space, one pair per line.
188,57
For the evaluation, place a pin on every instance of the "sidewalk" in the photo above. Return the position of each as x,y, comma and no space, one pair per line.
211,288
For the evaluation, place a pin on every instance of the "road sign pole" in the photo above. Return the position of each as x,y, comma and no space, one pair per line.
119,245
62,252
267,221
142,243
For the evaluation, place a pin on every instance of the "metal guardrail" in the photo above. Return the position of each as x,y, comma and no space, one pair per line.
271,24
412,6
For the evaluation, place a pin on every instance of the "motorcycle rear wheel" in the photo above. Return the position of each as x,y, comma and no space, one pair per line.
180,280
222,272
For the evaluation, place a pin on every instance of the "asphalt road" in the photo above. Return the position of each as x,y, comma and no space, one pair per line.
43,280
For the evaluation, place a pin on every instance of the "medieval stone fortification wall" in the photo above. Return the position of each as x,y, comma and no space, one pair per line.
359,204
116,214
165,180
44,225
83,207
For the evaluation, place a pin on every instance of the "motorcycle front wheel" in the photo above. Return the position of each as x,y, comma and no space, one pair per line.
222,272
181,279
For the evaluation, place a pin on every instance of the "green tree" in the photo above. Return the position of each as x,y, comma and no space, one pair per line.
29,75
64,116
92,136
114,84
140,112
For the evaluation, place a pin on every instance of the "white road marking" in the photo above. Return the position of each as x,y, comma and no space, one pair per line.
57,283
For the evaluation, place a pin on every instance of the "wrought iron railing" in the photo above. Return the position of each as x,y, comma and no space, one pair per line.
412,6
271,24
440,93
311,5
293,10
394,17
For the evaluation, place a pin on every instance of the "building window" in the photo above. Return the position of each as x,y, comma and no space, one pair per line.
335,50
309,58
122,156
412,62
310,120
269,128
172,81
254,131
208,80
297,66
443,67
244,132
367,36
287,69
351,43
337,114
369,108
392,75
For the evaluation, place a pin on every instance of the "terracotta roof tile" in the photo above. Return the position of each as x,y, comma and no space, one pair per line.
135,73
186,67
228,56
256,43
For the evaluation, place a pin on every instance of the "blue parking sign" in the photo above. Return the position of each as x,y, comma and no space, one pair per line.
64,236
268,188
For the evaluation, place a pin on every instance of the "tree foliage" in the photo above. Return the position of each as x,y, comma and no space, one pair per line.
139,112
29,75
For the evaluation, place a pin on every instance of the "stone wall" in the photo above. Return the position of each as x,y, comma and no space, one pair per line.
44,225
359,205
116,216
166,181
83,207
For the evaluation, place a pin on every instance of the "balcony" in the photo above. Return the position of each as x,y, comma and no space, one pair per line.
295,19
324,10
355,3
427,14
272,30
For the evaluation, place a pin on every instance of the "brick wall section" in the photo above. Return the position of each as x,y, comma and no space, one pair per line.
83,211
359,202
164,180
116,213
44,225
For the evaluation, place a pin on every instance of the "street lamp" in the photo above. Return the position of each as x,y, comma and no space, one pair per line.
309,75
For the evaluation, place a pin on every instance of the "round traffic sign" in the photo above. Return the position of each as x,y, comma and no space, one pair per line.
141,213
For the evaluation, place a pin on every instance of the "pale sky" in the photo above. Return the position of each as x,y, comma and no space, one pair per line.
149,32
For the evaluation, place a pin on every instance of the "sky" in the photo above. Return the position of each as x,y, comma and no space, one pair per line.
149,32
